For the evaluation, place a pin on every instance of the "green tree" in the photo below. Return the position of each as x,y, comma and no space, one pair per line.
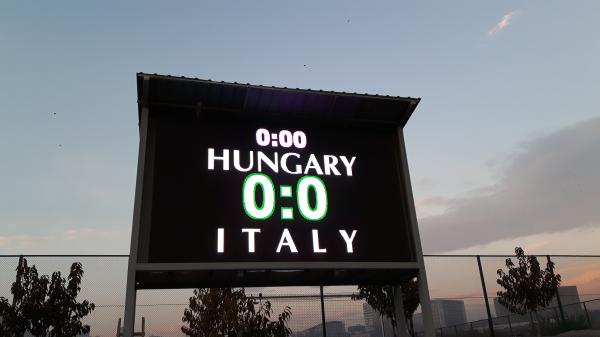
216,312
381,298
527,287
46,307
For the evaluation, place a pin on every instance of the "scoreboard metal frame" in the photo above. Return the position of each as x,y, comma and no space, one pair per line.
143,274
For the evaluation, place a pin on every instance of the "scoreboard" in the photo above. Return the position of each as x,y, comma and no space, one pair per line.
267,190
237,182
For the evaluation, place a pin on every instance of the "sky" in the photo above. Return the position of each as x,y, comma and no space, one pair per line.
503,148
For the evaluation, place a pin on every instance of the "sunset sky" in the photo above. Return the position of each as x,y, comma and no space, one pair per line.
503,148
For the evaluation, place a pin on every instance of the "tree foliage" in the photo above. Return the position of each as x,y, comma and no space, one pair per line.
381,298
527,287
215,312
44,306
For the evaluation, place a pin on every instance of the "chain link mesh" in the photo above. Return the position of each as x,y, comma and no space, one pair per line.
450,279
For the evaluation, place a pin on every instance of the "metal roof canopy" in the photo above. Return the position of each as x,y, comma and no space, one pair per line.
252,100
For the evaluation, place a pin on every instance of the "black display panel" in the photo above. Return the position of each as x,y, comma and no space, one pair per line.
219,182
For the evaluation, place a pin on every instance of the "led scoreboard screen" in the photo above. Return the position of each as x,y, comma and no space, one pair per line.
275,190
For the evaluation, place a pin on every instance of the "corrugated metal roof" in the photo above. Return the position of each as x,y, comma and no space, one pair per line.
248,99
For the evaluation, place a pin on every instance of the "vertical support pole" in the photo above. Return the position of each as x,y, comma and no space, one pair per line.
401,326
131,287
509,325
558,300
531,318
485,296
323,312
130,299
471,330
425,300
382,325
587,315
119,328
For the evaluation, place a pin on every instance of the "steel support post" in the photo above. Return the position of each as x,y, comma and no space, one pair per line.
130,299
425,300
485,296
130,295
323,312
401,326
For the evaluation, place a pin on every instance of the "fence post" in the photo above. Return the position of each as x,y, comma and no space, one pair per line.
531,319
485,296
587,315
323,312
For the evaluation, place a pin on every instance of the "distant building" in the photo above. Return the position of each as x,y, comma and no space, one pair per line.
372,321
569,298
570,301
358,331
568,295
375,324
448,312
333,328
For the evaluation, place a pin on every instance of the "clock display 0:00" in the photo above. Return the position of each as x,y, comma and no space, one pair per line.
286,138
303,188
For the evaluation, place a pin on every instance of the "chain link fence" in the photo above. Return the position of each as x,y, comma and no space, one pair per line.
455,286
577,317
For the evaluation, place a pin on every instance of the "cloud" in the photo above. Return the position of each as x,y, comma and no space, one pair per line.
430,201
503,23
87,233
551,184
21,241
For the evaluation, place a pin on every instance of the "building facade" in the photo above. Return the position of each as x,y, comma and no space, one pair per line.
448,312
